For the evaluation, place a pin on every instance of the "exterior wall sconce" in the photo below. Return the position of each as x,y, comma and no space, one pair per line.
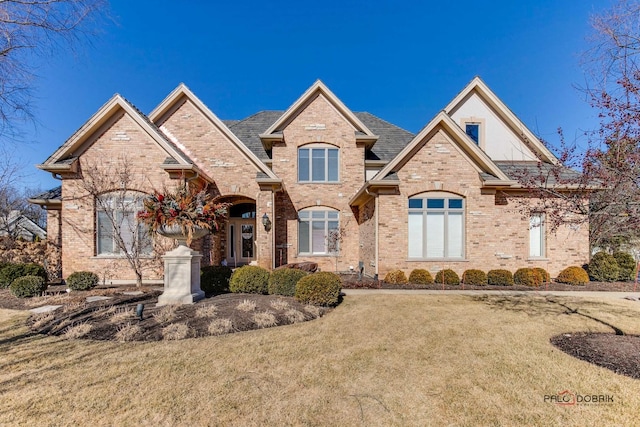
266,222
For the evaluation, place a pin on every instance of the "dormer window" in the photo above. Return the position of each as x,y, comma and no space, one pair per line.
473,130
318,163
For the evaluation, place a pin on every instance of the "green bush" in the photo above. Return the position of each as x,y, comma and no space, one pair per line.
283,281
28,286
542,275
448,277
249,279
603,267
396,277
526,277
11,272
500,277
82,281
420,276
627,265
573,275
214,279
319,289
474,277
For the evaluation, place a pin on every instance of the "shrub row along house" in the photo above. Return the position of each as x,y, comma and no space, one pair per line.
317,182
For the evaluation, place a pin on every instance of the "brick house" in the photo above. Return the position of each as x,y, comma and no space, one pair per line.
340,188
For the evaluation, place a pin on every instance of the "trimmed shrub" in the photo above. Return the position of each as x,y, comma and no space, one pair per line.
82,281
542,275
420,276
627,265
214,279
573,275
249,279
448,277
319,289
28,286
11,272
526,277
283,281
603,267
474,277
396,277
500,277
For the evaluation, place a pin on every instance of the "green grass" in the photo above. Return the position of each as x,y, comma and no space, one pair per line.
374,360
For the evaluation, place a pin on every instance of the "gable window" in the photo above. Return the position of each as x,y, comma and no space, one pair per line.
473,130
436,226
117,228
318,232
318,163
536,235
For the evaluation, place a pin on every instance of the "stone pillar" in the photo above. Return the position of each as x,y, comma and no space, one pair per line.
181,277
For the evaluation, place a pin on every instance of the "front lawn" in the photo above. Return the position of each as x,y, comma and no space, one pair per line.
373,360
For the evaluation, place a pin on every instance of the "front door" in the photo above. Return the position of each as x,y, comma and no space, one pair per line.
241,234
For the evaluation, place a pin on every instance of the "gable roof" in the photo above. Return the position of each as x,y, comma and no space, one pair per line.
182,92
517,126
274,132
65,157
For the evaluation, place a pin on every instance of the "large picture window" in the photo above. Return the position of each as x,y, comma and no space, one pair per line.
436,227
117,228
318,232
318,163
536,235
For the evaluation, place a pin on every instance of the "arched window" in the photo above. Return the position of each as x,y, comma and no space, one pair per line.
318,163
436,226
117,229
318,231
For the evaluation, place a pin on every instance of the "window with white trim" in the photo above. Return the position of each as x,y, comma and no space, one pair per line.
317,231
117,227
473,130
536,235
318,163
436,226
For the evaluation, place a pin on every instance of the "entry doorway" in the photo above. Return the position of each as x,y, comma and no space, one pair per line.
241,234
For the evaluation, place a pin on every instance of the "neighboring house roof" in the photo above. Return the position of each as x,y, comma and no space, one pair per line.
19,225
517,126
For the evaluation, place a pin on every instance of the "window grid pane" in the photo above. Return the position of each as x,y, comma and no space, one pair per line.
315,228
436,228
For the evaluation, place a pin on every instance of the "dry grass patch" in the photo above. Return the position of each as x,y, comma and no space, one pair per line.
176,331
313,310
127,332
77,331
166,314
39,320
265,319
220,326
294,316
209,310
374,360
280,304
122,314
247,306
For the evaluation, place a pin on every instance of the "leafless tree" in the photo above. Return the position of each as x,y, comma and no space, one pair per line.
30,29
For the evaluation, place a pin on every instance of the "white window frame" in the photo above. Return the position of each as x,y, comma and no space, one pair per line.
321,147
537,233
419,239
318,216
125,205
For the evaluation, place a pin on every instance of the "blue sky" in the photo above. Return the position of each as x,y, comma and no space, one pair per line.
402,61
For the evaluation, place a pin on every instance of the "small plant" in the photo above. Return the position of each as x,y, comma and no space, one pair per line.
603,268
176,331
500,277
122,314
166,314
250,279
627,265
313,310
207,311
11,272
127,332
28,286
420,276
42,319
448,277
294,316
77,331
542,275
283,281
220,326
214,279
396,277
319,289
279,304
526,277
474,277
265,319
82,281
247,306
573,275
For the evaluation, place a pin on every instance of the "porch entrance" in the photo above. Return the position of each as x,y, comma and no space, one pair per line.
241,234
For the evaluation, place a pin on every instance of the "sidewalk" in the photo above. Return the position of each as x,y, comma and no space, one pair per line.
584,294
